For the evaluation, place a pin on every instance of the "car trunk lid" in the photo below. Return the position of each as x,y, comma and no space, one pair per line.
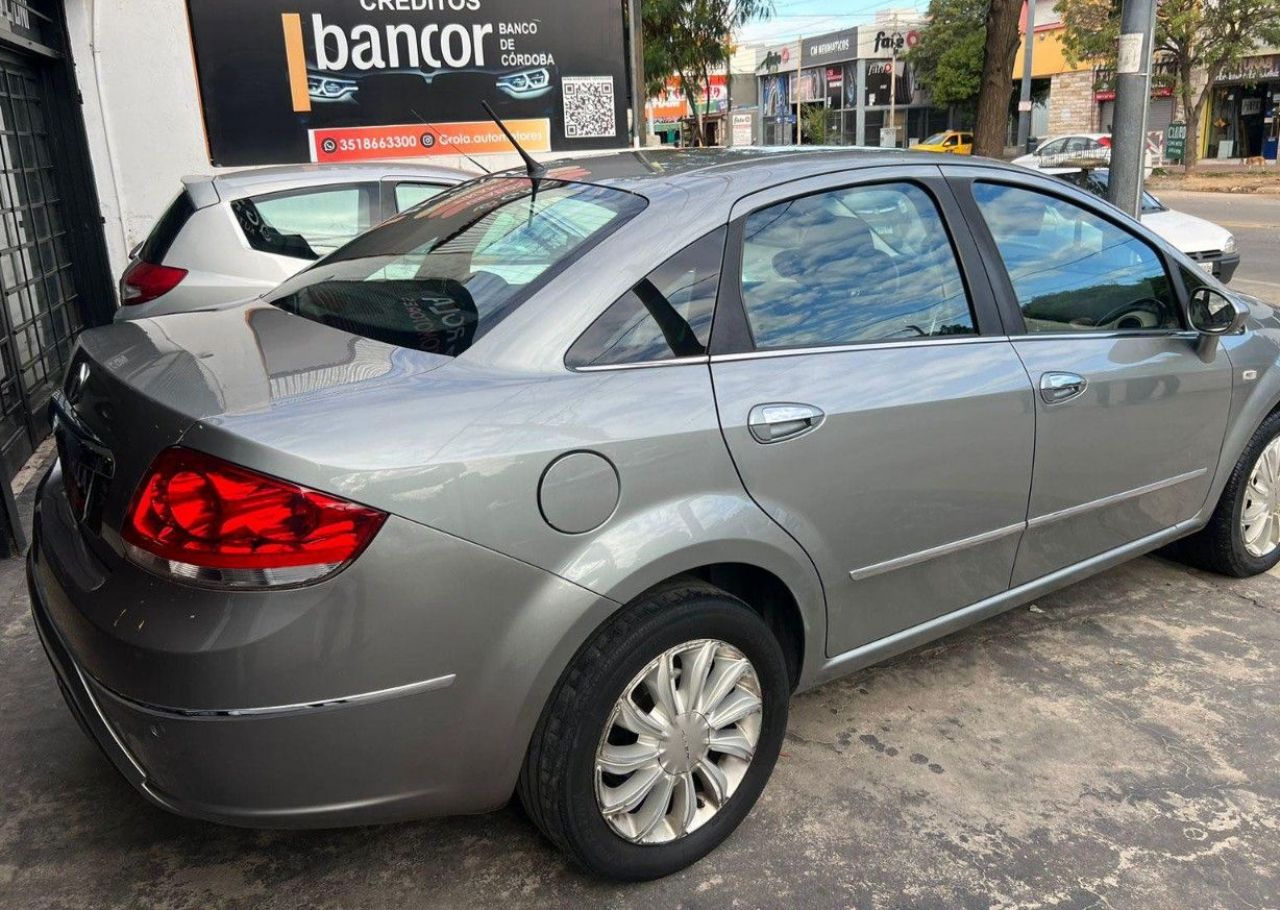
136,388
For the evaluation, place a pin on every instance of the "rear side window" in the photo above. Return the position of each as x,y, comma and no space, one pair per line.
439,277
855,265
309,224
1073,271
667,315
410,194
167,229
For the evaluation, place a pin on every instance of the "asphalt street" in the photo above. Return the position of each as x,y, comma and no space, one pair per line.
1255,220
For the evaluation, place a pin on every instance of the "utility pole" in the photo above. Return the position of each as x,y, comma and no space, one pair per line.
893,79
638,125
1024,99
1133,90
799,81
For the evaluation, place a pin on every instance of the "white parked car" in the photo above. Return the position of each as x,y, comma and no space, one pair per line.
238,235
1056,154
1209,244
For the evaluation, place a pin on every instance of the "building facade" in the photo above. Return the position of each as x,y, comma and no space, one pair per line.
1241,120
54,277
849,87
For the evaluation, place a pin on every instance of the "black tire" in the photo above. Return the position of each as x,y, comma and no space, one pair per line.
1219,546
557,783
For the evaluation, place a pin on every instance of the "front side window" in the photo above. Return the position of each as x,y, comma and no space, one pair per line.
1073,271
667,315
307,225
440,276
855,265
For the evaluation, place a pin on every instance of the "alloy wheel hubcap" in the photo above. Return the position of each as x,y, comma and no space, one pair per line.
1260,516
678,742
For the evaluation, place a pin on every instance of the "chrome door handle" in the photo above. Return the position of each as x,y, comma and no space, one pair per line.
1055,388
771,423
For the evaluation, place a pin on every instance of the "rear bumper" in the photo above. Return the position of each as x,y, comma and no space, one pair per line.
346,762
449,743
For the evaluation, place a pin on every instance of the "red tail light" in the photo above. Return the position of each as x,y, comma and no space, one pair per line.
203,519
1105,142
143,282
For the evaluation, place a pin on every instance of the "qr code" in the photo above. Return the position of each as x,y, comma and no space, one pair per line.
588,107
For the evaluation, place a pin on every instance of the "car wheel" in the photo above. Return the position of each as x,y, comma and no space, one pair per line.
1243,536
660,735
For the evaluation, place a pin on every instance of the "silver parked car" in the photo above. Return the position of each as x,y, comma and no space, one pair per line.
238,235
563,486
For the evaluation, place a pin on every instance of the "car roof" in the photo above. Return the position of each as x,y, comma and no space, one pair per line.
735,172
206,190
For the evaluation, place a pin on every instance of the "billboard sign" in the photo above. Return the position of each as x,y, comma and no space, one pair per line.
879,43
285,81
835,47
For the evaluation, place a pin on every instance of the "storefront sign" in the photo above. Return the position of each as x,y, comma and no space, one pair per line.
672,106
335,80
882,43
835,47
1175,141
743,130
779,59
1254,69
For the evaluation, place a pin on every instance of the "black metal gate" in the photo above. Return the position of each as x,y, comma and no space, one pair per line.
40,310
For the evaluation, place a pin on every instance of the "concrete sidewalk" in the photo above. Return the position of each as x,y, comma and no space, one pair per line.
1117,745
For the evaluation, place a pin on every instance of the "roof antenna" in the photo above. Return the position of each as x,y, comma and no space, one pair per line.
432,130
535,170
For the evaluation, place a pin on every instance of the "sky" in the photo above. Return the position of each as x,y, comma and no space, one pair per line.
793,18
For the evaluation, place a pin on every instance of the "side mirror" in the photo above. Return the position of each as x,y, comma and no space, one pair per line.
1213,313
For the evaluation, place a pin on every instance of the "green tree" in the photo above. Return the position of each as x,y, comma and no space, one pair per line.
948,57
1201,39
688,39
967,51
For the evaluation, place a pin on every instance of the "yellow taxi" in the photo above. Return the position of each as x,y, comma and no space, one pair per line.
952,142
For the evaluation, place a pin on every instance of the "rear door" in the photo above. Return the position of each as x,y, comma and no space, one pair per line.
868,396
1131,414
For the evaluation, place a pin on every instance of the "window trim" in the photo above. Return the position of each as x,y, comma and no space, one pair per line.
963,179
731,332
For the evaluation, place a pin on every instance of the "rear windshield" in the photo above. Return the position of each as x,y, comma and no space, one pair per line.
171,223
438,277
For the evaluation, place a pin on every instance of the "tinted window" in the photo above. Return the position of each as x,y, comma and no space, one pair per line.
410,194
167,229
854,265
666,315
306,225
439,277
1073,271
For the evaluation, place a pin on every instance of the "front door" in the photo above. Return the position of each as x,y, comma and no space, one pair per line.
864,406
1130,414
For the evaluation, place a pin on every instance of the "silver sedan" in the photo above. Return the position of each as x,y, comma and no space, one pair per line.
561,484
